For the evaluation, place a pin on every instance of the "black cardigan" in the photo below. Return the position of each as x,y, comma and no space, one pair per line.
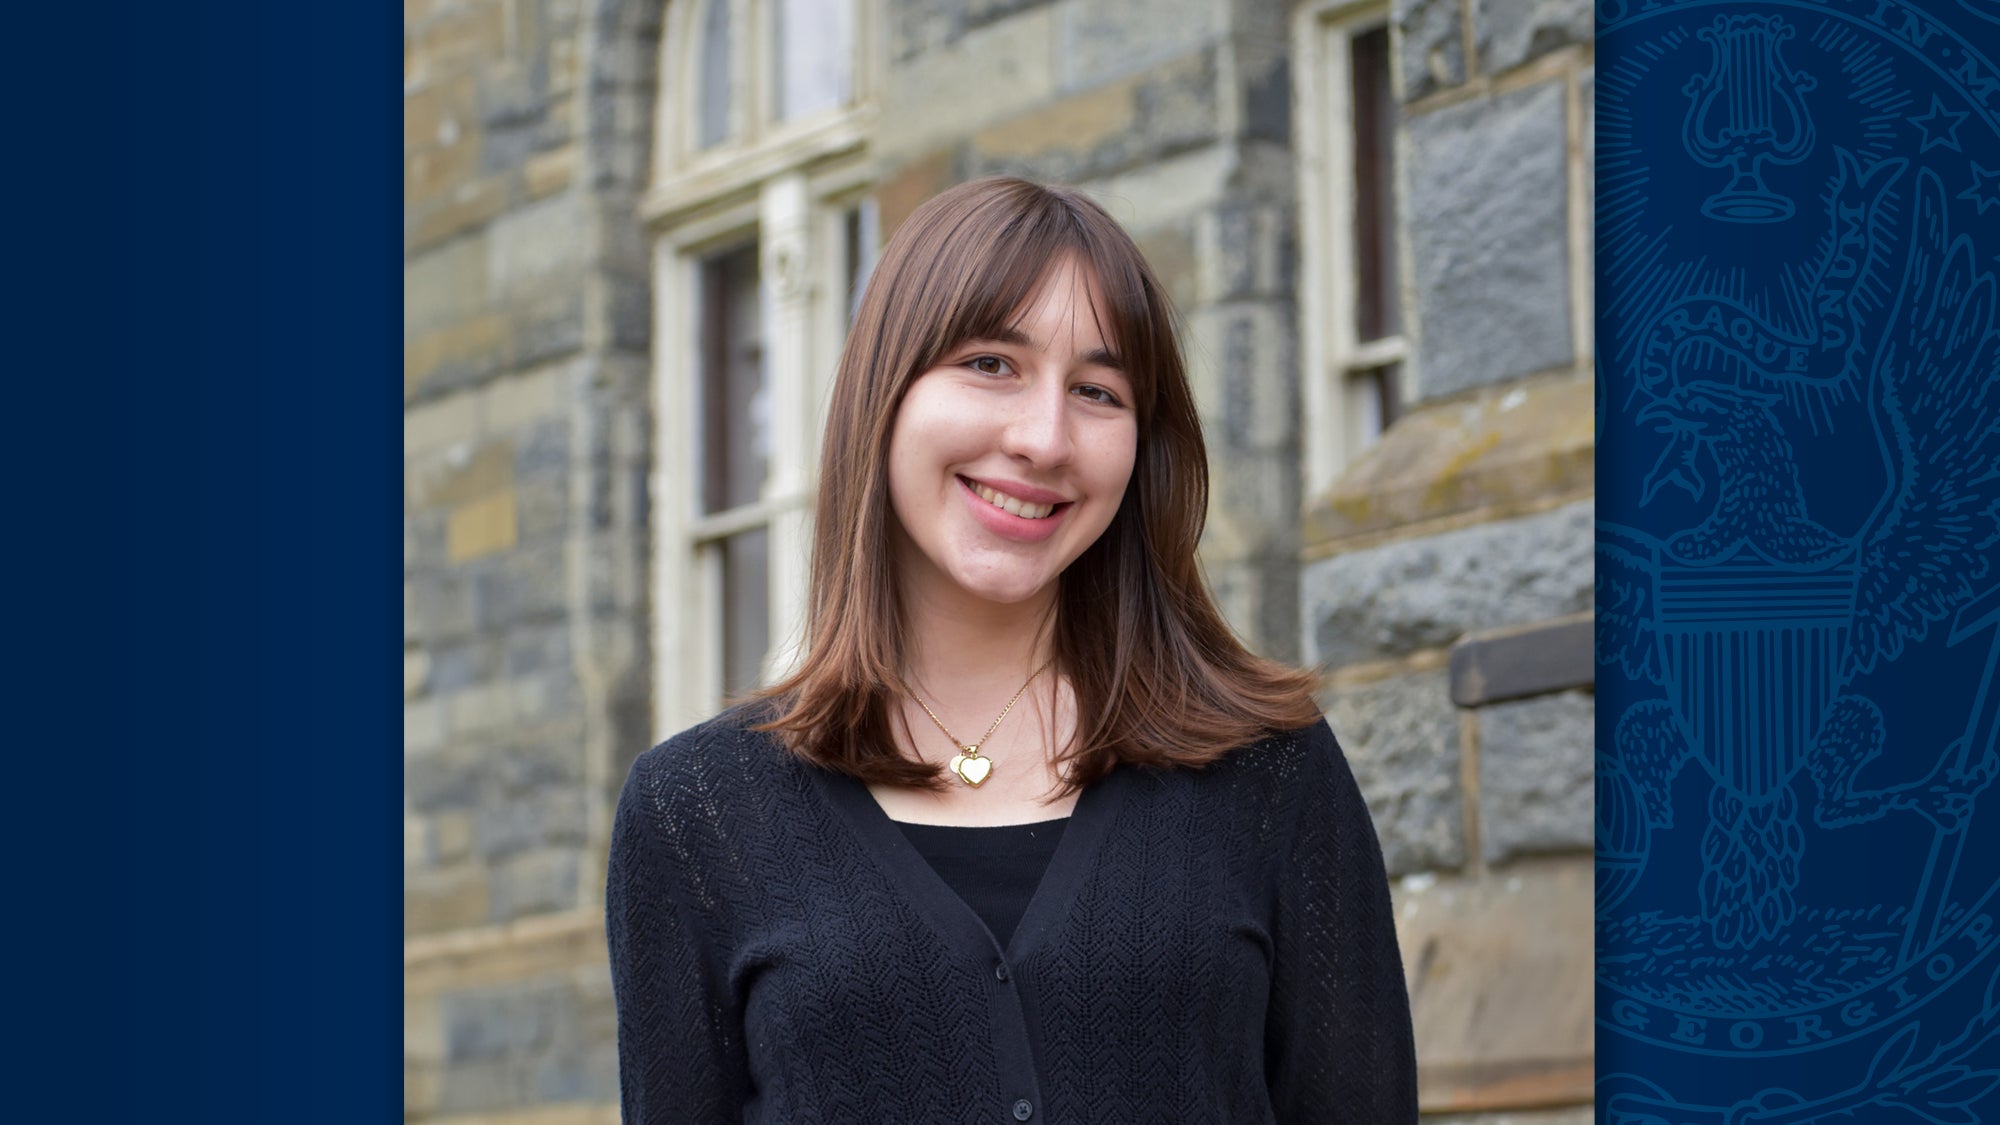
1206,946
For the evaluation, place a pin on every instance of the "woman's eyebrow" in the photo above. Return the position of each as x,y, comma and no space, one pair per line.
1095,357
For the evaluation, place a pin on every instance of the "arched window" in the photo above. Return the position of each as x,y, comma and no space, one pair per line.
762,230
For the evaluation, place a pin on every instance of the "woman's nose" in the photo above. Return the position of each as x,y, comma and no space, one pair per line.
1038,426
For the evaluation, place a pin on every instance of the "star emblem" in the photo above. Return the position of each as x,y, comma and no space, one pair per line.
1985,189
1940,126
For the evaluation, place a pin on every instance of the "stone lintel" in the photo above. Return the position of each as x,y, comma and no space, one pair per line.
1513,663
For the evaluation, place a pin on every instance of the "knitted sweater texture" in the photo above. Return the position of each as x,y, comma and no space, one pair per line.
1206,946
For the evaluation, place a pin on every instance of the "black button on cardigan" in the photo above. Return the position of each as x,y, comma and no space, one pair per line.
1205,946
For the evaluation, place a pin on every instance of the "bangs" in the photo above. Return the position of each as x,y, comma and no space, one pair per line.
1000,256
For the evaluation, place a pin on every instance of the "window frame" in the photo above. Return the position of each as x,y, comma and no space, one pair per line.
785,187
1333,355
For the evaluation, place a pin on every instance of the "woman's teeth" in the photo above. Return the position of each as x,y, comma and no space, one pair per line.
1013,506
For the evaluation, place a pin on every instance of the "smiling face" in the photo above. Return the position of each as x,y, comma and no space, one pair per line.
1010,456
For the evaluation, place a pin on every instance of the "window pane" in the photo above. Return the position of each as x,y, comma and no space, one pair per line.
715,73
746,608
1376,312
815,53
861,236
1372,404
735,404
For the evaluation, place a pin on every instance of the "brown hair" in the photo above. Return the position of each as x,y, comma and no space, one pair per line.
1158,677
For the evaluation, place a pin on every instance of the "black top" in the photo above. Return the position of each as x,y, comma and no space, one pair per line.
1211,945
994,869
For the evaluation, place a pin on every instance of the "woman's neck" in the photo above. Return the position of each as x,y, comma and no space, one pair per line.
959,652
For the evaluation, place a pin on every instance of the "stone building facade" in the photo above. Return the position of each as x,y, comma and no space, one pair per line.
619,214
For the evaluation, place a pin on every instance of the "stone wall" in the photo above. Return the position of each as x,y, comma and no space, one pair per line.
1447,579
525,445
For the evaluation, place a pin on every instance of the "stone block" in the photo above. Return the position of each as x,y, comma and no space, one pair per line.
424,540
455,355
423,727
439,114
468,207
934,96
478,708
1507,33
448,898
1506,447
922,26
483,527
1105,129
496,1022
439,424
523,763
522,586
538,246
459,475
512,403
458,666
1488,221
549,327
451,836
508,94
434,172
537,649
1425,593
1098,41
437,608
488,1086
553,817
461,37
1401,739
544,696
1500,974
543,881
416,673
416,843
547,173
445,286
542,510
1433,39
1536,775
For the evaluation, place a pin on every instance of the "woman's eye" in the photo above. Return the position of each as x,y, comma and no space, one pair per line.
988,364
1099,394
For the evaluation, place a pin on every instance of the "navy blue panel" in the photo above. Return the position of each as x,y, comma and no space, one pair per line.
208,432
1798,227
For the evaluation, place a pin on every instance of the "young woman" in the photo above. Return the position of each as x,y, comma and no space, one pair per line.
1029,836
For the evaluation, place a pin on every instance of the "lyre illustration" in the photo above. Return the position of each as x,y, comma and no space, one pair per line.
1749,108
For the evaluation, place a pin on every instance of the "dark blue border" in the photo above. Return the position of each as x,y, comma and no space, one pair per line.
209,435
1726,996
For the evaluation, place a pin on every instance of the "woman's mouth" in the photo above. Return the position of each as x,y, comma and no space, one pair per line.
1013,506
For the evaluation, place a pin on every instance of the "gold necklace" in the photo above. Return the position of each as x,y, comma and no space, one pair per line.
970,766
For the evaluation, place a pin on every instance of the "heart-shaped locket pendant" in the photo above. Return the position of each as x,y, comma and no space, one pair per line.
971,768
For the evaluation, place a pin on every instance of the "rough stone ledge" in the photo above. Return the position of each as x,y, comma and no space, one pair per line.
1503,445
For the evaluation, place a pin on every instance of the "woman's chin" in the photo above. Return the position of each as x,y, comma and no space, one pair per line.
1007,592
